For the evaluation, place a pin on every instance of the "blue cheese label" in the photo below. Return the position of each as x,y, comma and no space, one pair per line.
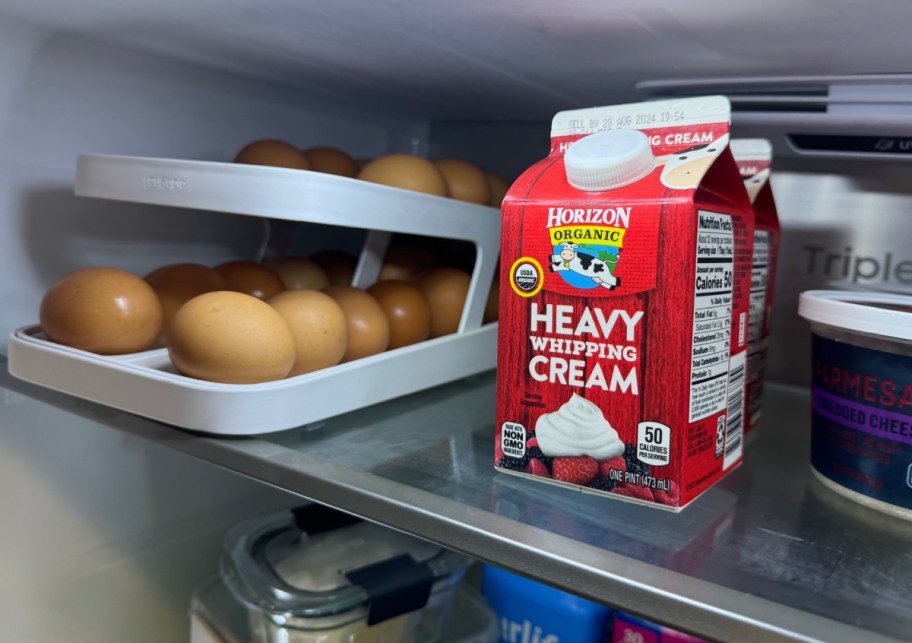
861,427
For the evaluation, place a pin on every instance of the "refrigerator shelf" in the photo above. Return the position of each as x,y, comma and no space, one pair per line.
769,554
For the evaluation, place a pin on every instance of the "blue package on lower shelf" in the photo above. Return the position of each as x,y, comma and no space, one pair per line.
530,612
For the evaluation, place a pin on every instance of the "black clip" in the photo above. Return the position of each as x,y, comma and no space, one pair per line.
395,586
318,519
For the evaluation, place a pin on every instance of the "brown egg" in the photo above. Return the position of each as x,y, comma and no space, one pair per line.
231,338
492,307
445,290
405,171
464,181
339,266
405,263
251,278
329,160
102,310
406,309
498,189
178,283
368,328
275,153
298,273
319,326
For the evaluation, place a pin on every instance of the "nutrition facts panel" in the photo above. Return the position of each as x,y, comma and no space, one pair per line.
712,315
759,269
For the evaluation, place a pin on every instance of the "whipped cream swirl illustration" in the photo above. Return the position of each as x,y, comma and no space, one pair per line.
577,428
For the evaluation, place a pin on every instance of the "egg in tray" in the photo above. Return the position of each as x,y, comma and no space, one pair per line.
244,323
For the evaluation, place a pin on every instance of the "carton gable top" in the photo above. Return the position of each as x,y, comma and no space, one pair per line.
754,157
686,137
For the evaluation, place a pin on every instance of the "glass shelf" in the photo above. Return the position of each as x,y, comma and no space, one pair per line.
768,554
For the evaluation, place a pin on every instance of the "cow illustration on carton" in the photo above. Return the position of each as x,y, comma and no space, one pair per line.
599,271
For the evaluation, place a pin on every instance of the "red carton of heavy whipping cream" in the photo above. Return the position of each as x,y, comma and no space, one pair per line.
754,157
625,268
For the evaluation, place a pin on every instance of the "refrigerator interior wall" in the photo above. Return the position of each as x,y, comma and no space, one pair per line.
105,535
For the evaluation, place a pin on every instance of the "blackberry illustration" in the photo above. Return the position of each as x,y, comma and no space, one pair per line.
536,453
634,465
603,484
514,464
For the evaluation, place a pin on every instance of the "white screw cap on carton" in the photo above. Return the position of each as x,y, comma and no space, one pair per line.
608,160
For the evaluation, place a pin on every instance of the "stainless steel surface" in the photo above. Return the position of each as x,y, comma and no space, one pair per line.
841,221
767,555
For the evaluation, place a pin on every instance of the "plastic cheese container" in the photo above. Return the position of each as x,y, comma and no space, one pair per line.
861,396
318,576
217,617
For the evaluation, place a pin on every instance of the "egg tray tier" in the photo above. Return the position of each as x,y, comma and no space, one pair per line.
147,384
285,195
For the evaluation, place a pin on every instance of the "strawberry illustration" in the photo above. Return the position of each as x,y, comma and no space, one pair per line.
671,497
634,491
537,467
605,466
579,470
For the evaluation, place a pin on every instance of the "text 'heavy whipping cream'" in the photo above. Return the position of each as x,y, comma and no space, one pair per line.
626,261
